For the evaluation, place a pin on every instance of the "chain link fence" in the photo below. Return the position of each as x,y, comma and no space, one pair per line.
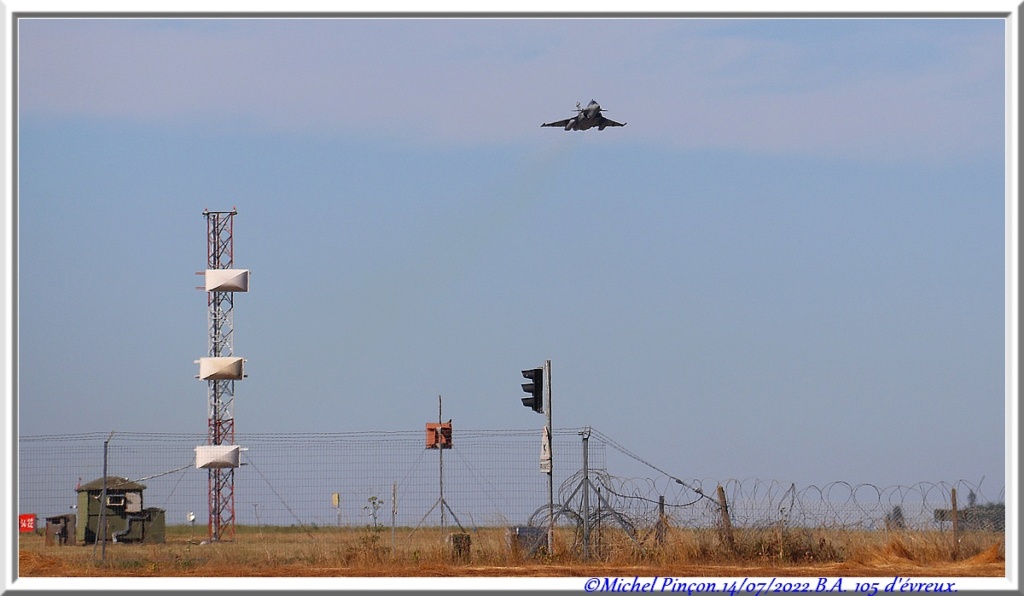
489,478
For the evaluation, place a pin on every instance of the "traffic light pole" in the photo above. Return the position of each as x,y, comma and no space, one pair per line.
539,388
551,465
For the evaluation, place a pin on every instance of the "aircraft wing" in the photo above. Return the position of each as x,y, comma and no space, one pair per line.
561,123
607,122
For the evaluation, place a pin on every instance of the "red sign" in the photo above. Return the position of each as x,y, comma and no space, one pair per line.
27,522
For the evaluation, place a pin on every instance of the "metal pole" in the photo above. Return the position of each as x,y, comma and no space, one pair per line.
440,463
551,469
586,494
103,502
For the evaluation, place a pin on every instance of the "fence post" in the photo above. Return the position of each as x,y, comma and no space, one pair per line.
659,534
726,524
956,527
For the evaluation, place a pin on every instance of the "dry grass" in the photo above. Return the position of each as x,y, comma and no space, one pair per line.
361,552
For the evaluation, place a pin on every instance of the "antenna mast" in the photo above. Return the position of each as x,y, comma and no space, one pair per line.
220,370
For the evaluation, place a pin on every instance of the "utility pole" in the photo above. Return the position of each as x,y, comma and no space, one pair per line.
103,502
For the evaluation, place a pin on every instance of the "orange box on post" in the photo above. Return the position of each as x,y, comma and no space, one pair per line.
439,435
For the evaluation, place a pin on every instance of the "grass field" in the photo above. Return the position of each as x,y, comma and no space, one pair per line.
365,552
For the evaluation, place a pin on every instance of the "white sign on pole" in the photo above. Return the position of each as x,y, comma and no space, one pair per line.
545,451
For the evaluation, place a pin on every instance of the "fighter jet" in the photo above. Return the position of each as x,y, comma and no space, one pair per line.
585,118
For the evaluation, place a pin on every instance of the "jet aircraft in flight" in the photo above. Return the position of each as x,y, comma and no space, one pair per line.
585,118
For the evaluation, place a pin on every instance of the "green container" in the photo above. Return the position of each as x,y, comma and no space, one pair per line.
154,528
124,500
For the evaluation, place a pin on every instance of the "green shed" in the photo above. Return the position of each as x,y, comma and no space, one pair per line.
126,519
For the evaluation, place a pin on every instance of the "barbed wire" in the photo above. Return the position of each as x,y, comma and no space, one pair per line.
756,503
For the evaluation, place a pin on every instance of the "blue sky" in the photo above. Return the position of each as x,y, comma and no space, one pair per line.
789,265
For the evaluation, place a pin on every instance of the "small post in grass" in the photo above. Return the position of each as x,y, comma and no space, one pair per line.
726,524
956,527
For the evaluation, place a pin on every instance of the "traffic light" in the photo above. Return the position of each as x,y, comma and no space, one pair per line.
535,388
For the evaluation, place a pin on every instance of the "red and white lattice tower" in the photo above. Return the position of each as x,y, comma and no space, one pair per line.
220,369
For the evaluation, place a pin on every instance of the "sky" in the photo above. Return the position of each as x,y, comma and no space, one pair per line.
790,264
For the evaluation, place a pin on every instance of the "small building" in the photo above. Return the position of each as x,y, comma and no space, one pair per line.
60,530
126,519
